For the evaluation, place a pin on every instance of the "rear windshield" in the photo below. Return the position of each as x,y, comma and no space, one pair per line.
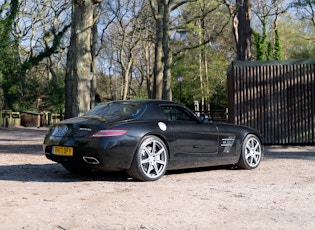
117,110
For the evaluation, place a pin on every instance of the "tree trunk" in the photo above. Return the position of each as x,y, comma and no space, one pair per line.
158,62
68,83
206,105
148,70
167,58
93,68
200,62
241,28
82,56
126,79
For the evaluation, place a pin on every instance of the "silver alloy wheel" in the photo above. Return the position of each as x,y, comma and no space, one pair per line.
153,158
253,152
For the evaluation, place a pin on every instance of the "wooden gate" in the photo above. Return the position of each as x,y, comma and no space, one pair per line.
275,97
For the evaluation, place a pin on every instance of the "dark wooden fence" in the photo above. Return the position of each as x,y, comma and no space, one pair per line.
275,97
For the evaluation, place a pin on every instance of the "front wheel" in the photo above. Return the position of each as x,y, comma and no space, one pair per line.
150,160
252,153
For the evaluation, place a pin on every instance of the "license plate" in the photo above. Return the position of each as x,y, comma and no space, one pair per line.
62,151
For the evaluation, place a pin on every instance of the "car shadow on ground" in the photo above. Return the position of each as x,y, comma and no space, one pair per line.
201,169
54,173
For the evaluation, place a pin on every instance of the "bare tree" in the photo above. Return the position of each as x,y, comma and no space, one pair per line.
203,27
161,10
121,41
305,9
158,10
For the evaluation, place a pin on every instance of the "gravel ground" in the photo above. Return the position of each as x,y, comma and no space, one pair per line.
39,194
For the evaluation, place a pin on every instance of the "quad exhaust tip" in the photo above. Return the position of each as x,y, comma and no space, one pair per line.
91,160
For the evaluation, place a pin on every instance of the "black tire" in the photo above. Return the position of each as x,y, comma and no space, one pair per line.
252,153
150,160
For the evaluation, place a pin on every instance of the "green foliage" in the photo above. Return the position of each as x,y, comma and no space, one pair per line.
218,73
298,39
20,91
267,50
9,80
140,94
260,42
278,46
54,96
21,82
33,88
188,67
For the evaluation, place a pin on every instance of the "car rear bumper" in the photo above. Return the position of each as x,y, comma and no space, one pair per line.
105,156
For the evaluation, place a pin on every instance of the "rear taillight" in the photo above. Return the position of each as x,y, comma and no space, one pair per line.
110,133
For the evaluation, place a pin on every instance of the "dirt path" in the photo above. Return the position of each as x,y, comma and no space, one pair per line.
39,194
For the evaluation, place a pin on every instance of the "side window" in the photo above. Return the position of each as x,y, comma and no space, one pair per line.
176,114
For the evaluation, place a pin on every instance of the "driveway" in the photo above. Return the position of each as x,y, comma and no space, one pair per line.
39,194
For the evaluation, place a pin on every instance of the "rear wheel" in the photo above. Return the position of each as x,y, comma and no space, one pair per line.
251,153
150,160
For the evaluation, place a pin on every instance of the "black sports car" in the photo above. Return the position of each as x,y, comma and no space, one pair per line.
148,137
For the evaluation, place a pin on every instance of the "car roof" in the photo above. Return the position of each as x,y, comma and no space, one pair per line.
152,113
158,101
